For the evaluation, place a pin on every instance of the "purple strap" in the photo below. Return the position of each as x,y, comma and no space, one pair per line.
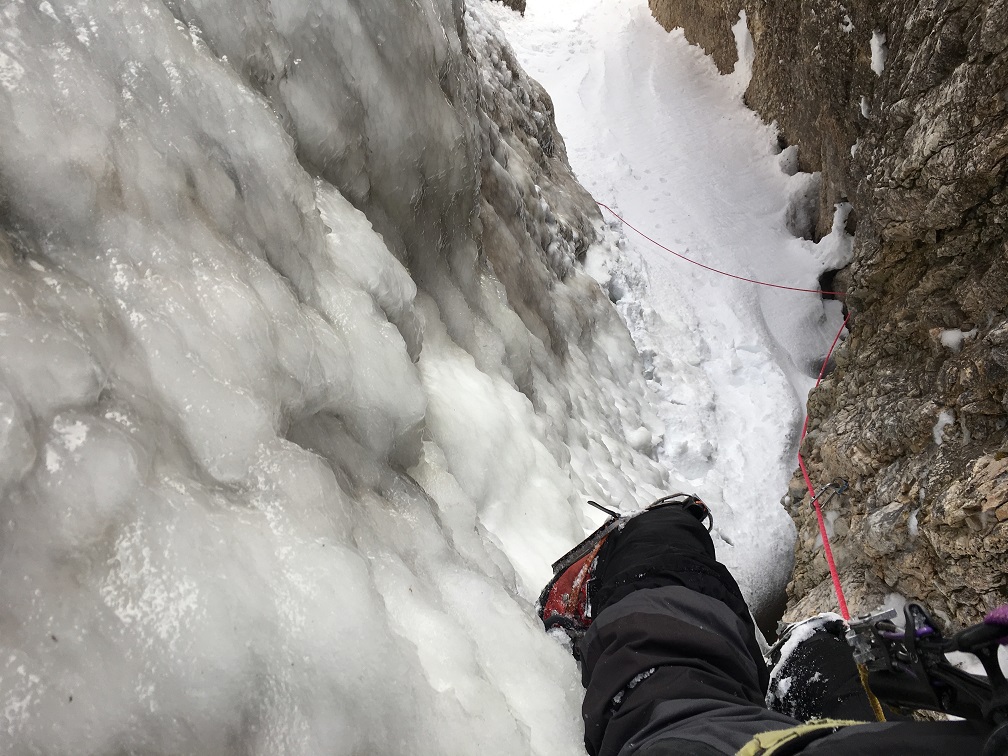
999,617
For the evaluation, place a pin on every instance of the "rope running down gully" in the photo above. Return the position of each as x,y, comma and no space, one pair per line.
834,574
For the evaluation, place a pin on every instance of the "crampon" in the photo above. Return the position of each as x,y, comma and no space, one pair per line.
565,602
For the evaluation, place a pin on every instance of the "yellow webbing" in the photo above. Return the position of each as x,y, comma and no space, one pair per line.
773,741
875,705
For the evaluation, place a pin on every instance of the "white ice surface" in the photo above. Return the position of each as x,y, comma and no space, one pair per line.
879,52
261,492
953,338
653,131
744,49
945,418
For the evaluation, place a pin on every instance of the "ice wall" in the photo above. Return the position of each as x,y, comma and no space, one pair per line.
301,386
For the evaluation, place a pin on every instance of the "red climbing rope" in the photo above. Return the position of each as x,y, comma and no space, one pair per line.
801,462
841,600
808,483
716,270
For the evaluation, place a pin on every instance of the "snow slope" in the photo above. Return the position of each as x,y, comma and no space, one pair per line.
655,133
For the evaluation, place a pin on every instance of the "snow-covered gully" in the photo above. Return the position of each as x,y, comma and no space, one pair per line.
653,130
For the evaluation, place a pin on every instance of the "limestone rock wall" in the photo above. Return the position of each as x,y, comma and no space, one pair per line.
707,24
903,107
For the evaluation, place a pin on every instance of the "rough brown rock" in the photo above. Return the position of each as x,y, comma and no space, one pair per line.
914,415
707,24
518,5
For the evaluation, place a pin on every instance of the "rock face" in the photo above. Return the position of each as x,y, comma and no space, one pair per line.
707,24
518,5
904,110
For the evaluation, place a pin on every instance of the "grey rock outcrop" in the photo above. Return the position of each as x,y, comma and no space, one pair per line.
518,5
707,24
904,109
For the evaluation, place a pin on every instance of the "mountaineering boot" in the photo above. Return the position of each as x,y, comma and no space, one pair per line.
565,602
813,674
692,504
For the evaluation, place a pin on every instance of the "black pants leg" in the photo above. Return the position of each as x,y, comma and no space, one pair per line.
671,666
